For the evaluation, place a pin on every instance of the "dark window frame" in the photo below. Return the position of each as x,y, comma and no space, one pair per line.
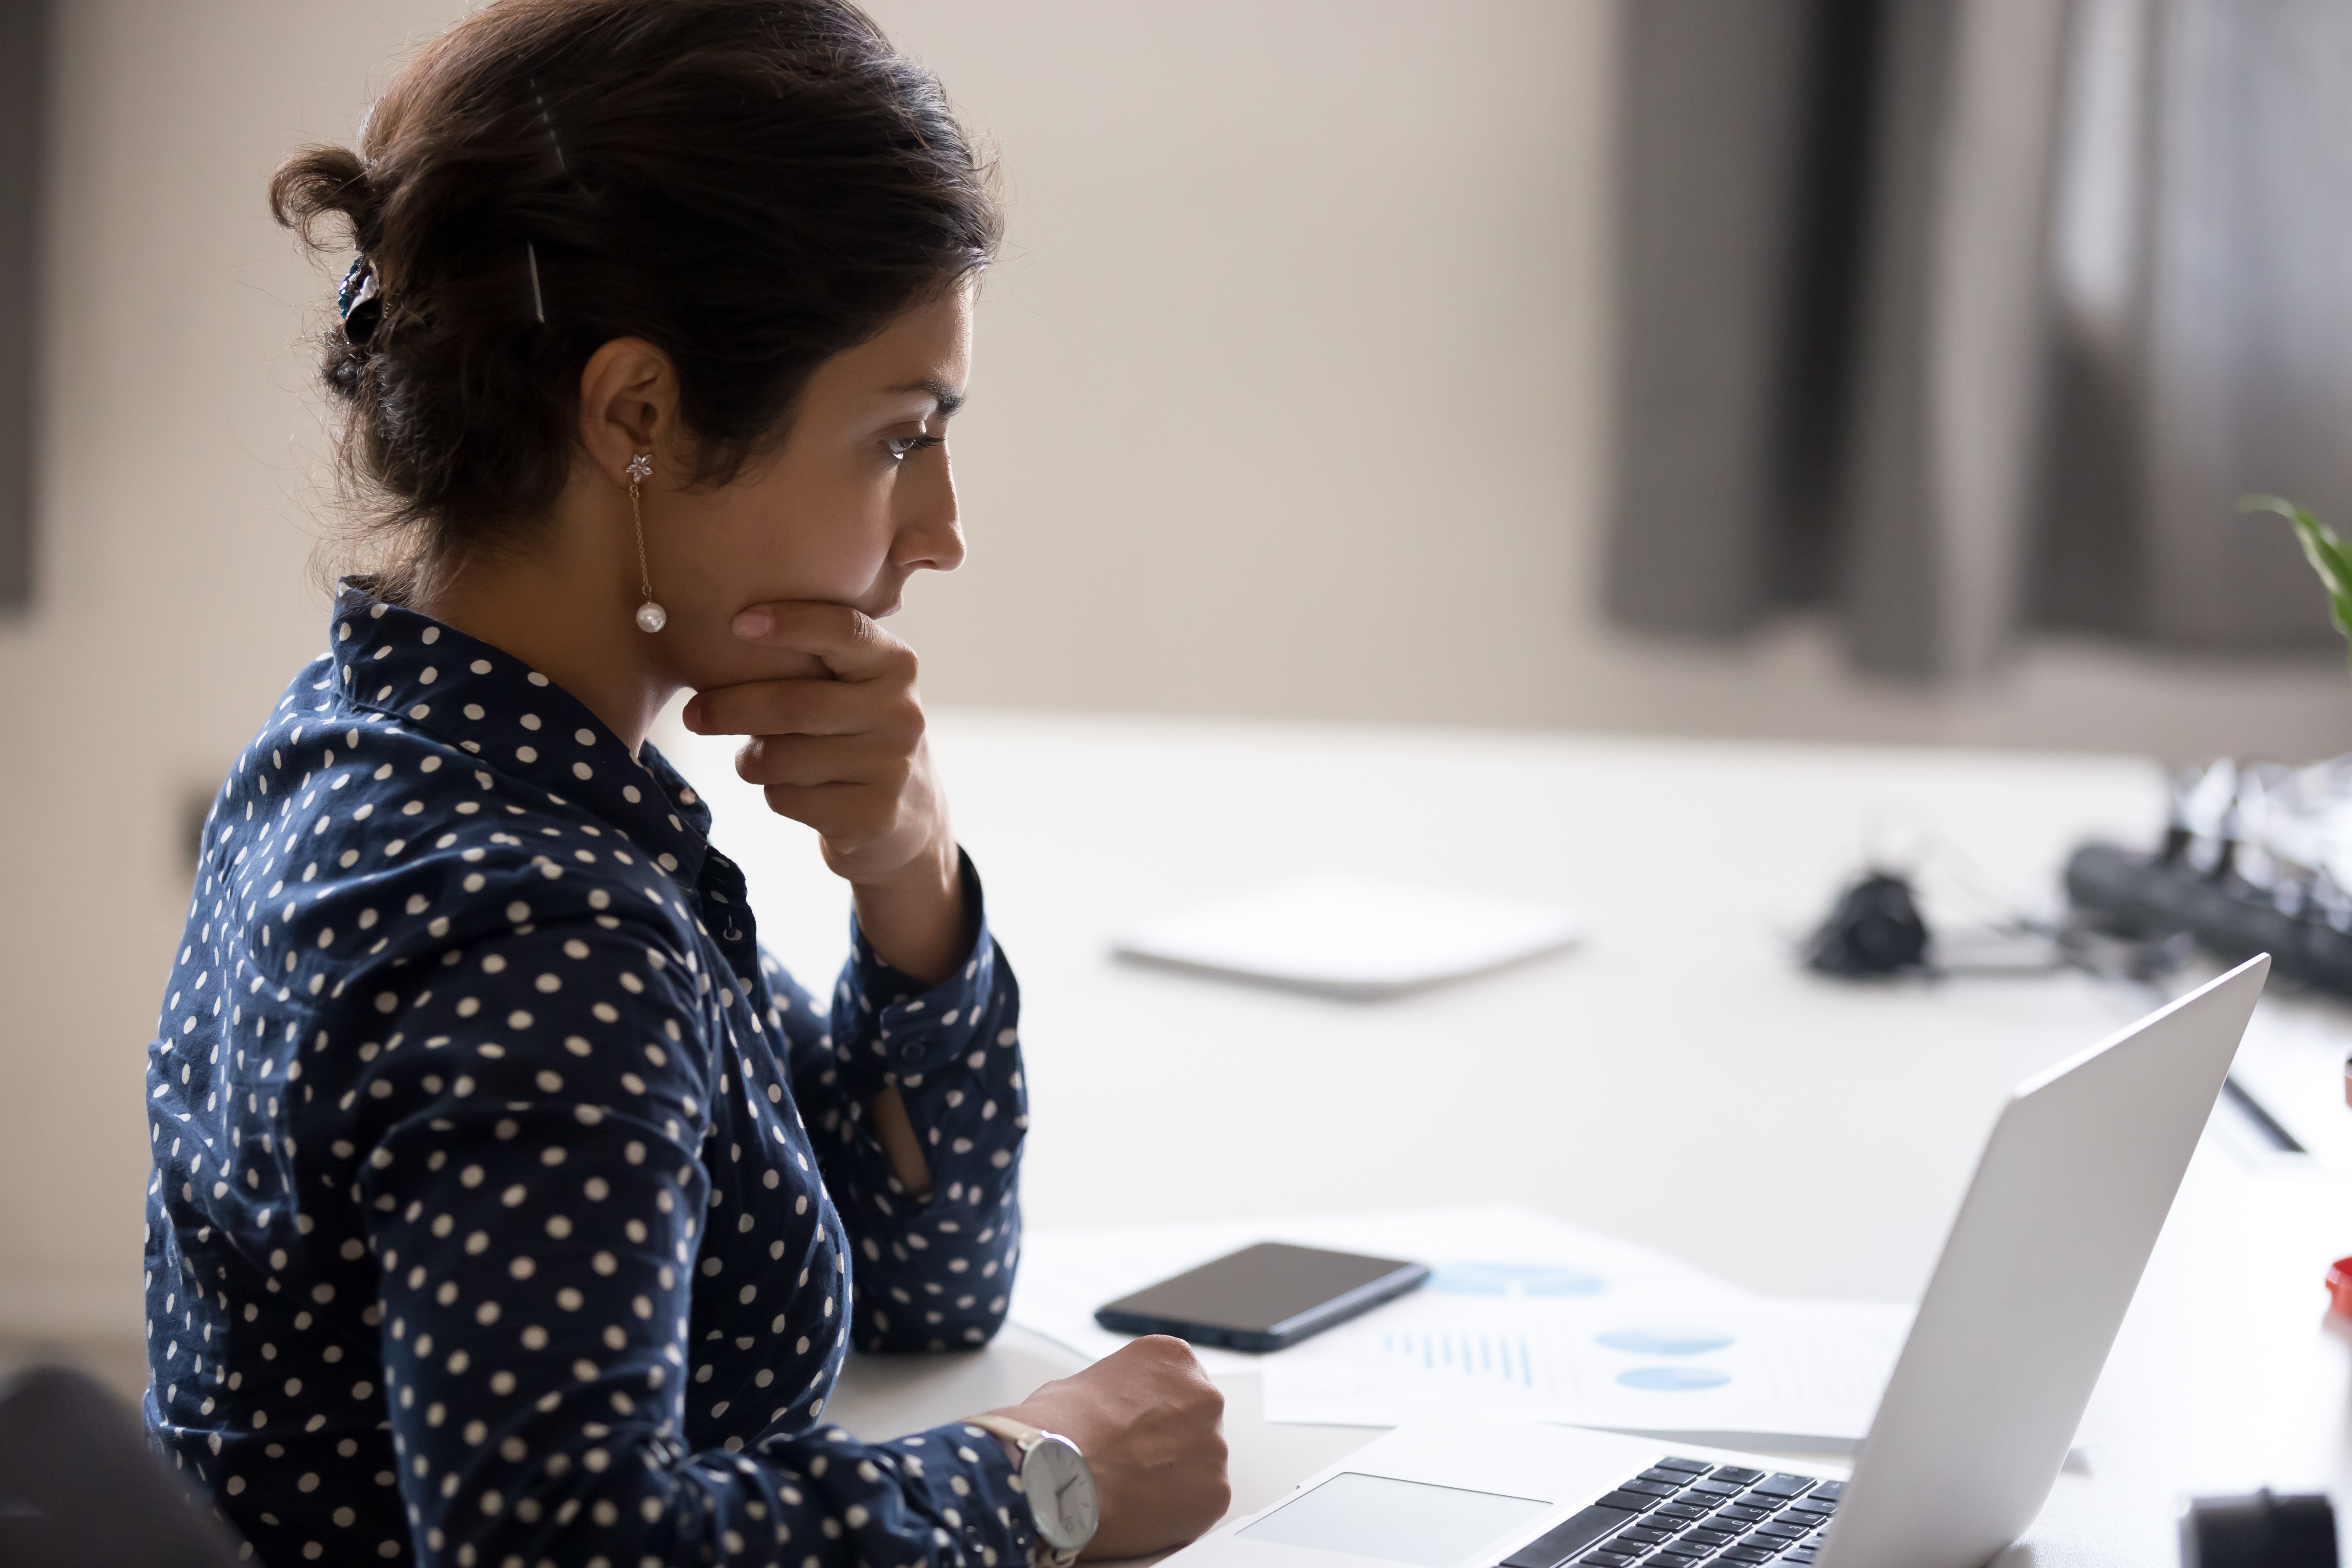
24,81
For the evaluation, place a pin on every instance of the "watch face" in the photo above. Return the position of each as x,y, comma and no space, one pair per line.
1061,1493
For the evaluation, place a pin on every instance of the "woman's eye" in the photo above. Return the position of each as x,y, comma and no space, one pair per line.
904,446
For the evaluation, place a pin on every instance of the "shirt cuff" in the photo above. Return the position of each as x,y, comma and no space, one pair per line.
907,1028
994,1485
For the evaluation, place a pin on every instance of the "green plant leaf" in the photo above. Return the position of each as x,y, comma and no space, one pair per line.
2329,556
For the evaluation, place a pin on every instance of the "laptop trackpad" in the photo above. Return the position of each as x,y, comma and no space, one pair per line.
1398,1521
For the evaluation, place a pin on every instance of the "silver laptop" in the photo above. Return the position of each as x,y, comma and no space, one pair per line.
2039,1268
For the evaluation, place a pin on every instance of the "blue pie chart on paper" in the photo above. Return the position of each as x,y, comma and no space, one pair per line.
1673,1379
1655,1341
1526,1279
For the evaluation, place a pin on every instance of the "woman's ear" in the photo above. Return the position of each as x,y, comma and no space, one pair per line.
628,404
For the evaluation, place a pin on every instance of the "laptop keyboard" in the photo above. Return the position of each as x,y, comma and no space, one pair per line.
1680,1513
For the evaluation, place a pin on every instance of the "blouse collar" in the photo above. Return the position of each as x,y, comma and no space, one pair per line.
432,677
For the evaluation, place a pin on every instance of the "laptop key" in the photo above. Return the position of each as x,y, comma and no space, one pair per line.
1675,1479
1742,1512
1715,1486
1688,1466
1781,1530
1707,1535
1631,1502
1643,1533
1679,1509
1783,1486
1653,1488
1830,1491
1744,1554
1605,1559
1679,1556
1571,1536
1734,1473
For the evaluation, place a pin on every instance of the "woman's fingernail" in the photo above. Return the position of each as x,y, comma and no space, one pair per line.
753,625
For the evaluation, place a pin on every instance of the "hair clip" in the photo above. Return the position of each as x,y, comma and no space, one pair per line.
359,303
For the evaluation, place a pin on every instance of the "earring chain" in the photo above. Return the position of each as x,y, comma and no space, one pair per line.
644,573
641,468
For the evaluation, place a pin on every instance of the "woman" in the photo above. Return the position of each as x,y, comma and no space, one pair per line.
511,1207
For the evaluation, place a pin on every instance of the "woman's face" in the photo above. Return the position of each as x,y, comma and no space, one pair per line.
857,501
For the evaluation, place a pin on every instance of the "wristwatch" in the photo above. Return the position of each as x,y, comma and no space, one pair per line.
1058,1485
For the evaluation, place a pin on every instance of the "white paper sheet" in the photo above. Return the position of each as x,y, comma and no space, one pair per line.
1526,1315
1065,1275
1660,1364
1353,936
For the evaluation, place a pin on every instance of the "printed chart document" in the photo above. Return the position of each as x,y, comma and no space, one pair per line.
1525,1315
1353,937
1751,1365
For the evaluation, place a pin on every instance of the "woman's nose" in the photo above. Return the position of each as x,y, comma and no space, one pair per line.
930,531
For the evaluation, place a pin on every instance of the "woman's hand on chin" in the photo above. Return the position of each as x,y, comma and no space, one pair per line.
843,752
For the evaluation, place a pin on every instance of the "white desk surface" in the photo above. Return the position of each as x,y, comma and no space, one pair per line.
1679,1080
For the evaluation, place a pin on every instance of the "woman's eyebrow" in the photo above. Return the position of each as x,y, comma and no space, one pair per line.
946,397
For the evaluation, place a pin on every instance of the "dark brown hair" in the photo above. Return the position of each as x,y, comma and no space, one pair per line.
751,186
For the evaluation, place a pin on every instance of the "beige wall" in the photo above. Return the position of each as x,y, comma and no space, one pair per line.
1291,400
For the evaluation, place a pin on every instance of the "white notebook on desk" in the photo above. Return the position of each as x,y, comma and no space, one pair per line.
1353,937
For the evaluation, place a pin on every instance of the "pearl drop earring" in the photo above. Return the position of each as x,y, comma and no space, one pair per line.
651,617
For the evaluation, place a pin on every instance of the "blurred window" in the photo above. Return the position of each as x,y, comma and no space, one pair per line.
24,66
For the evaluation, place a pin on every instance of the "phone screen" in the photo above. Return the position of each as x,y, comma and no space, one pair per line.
1262,1297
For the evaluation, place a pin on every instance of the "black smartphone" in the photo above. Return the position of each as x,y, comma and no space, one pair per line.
1263,1297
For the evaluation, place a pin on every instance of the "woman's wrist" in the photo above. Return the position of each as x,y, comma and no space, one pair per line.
915,918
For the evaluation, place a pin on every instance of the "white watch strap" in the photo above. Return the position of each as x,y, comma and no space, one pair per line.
1020,1433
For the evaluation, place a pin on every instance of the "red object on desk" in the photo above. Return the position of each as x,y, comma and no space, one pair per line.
2340,1286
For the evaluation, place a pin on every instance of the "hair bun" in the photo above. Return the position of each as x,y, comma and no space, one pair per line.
321,182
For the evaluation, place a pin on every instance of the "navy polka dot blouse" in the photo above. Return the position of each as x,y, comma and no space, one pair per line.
511,1206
